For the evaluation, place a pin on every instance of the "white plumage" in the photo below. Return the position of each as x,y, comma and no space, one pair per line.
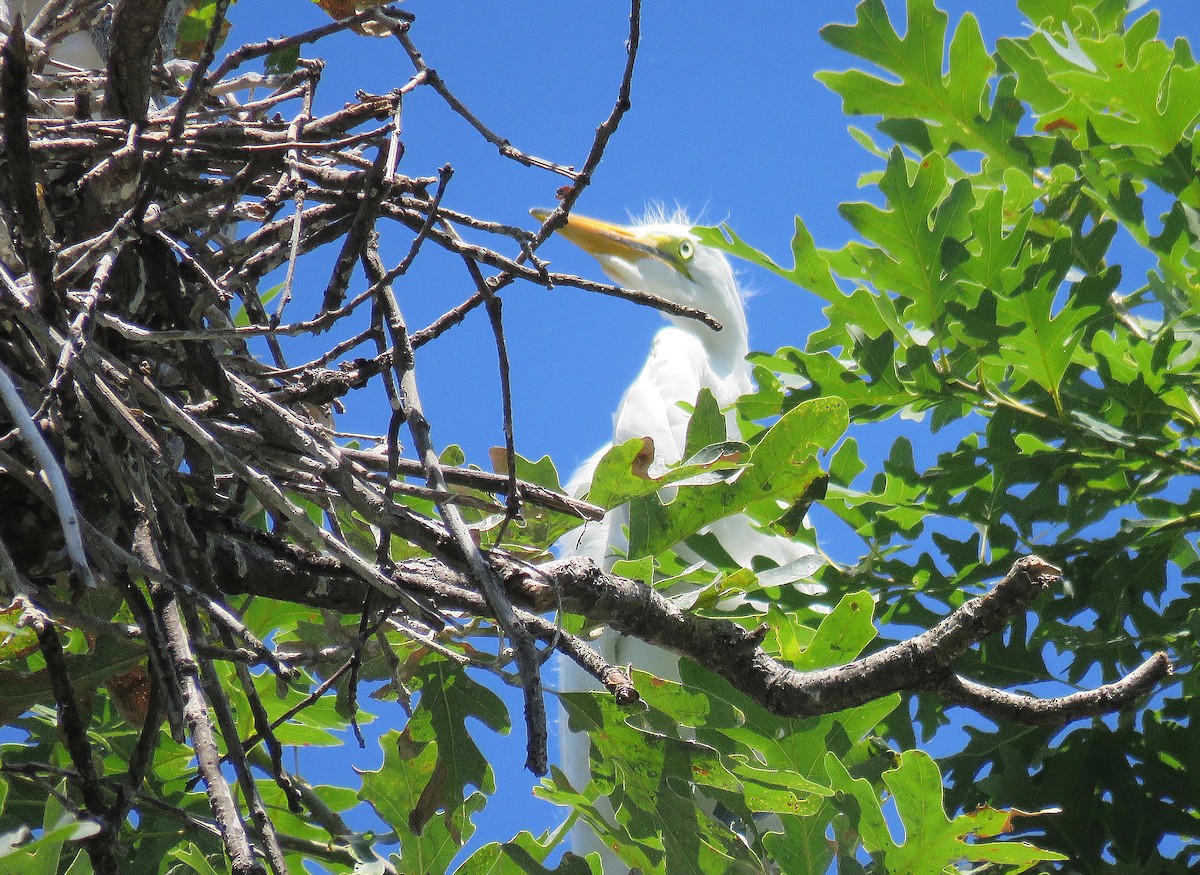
76,50
661,257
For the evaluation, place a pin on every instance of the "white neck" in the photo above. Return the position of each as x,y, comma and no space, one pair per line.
727,348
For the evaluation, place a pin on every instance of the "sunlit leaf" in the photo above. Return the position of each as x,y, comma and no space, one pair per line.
781,466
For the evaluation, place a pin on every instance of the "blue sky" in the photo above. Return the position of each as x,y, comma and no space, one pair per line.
727,121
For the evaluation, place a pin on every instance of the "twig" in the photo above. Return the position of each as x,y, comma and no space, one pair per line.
195,712
364,624
68,517
489,482
603,133
143,754
101,848
1033,711
372,195
250,51
481,570
299,190
559,215
48,14
80,329
434,80
233,830
494,309
269,492
264,827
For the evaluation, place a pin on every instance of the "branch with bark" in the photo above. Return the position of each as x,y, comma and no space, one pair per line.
923,662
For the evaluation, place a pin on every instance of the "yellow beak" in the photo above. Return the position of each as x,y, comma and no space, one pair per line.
599,238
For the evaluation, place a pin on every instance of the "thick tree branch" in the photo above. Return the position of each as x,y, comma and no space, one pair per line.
732,651
73,724
21,170
132,52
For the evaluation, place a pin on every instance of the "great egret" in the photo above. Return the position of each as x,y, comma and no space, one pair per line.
662,257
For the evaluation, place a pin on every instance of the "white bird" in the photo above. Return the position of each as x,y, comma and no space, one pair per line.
85,51
75,50
664,258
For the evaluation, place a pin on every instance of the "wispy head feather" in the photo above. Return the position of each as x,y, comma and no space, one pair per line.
657,213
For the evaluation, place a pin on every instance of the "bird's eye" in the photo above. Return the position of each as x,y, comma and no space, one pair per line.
686,250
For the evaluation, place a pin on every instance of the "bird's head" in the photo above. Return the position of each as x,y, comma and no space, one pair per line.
664,259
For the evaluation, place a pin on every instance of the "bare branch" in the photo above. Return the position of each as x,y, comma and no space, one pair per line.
1032,711
22,181
73,724
68,517
732,651
132,51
